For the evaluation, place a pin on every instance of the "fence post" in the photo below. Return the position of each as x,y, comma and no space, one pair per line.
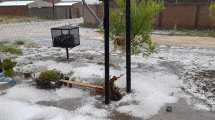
160,20
196,24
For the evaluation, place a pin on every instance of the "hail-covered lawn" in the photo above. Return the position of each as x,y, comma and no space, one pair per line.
157,80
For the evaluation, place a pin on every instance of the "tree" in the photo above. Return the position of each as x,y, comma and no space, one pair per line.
212,11
143,13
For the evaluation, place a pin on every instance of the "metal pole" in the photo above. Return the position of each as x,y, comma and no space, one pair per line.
67,53
53,9
106,45
128,45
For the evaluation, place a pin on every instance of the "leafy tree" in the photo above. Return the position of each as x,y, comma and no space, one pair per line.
143,13
212,11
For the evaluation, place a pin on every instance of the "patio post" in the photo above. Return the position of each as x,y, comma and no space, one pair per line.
128,45
106,46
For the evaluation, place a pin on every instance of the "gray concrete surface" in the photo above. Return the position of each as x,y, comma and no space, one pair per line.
183,111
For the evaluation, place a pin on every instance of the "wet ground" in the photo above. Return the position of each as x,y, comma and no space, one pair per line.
169,60
183,111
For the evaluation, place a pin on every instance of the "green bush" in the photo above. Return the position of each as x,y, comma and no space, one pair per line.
49,80
19,42
212,11
8,64
9,72
50,75
143,14
10,49
4,42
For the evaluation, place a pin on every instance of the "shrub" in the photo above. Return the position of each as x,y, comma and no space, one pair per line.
19,42
9,72
8,64
10,49
212,11
49,80
50,75
4,42
143,14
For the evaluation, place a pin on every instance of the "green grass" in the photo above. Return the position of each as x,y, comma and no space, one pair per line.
10,48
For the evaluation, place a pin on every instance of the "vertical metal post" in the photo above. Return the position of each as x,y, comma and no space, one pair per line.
53,9
128,45
67,53
106,45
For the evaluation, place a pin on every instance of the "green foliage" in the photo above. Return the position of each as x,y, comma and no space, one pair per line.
50,75
9,72
8,64
19,42
212,11
143,14
117,18
3,42
13,49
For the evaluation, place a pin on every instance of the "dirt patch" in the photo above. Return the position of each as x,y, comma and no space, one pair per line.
184,41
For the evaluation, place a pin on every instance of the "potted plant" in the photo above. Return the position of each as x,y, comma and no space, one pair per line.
49,79
143,13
